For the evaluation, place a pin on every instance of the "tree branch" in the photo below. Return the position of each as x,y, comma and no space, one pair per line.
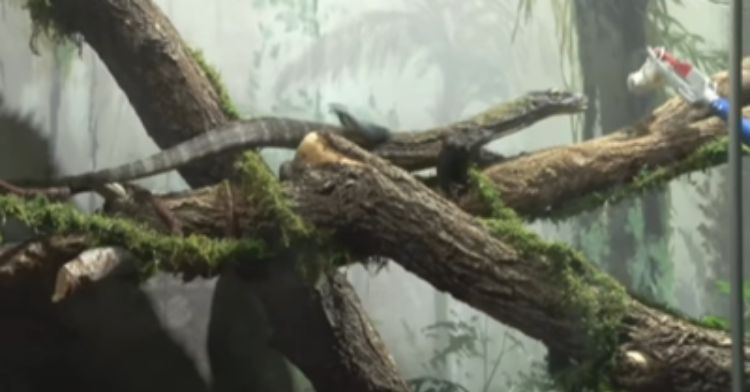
675,139
545,290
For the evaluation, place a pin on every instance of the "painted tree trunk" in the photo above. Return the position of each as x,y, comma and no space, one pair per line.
611,43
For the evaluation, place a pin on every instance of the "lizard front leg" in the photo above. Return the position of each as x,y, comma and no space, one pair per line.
459,152
453,165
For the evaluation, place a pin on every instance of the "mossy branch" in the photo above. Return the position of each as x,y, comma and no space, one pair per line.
266,193
193,255
44,23
599,299
710,155
213,76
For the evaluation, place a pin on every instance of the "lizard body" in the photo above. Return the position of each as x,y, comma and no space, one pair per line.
416,150
236,136
412,150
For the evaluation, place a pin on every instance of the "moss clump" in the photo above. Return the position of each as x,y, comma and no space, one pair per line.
598,299
215,79
709,322
264,191
707,156
194,254
45,23
290,230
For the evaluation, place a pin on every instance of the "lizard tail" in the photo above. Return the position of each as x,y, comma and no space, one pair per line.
236,136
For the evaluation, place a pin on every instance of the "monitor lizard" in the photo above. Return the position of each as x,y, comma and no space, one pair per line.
412,150
417,150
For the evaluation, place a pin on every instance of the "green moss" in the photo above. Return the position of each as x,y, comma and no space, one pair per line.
45,23
709,322
599,299
290,231
215,79
709,155
595,297
194,254
716,323
264,191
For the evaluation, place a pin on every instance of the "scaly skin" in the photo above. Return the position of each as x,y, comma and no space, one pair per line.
239,135
410,150
416,150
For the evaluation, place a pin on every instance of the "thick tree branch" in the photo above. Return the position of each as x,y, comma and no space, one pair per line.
666,144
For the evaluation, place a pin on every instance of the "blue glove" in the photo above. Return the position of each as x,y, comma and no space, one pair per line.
720,107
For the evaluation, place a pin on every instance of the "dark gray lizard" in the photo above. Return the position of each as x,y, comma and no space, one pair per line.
236,136
417,150
461,149
411,150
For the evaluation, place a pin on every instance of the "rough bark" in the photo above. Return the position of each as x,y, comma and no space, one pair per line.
663,353
538,184
346,353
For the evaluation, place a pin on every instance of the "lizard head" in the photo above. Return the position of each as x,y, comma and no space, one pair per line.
556,101
546,102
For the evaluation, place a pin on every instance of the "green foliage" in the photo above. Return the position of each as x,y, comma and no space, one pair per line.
265,193
599,301
215,79
289,230
193,254
45,24
156,251
723,288
714,322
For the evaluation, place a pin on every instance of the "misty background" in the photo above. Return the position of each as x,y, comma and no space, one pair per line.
407,65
